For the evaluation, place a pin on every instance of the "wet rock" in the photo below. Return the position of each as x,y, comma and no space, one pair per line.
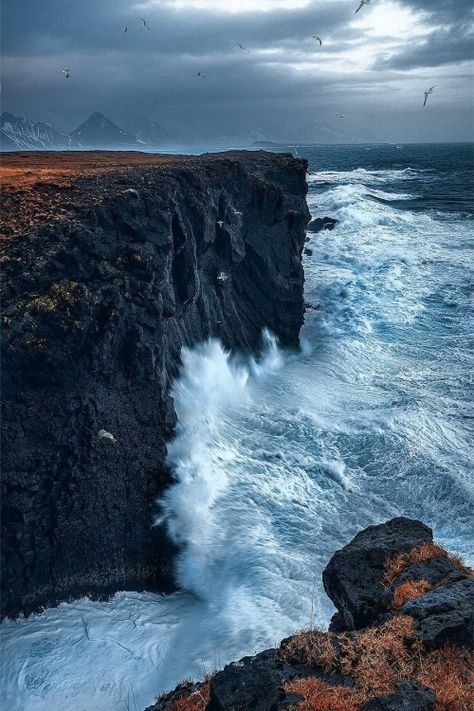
308,251
322,223
445,614
407,697
353,577
99,305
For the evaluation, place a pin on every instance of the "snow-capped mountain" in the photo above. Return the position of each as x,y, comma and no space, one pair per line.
150,132
18,133
98,131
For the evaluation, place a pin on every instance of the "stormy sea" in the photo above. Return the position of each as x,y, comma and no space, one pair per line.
280,459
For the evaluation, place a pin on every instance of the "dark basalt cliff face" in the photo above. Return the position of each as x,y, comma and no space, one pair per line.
116,271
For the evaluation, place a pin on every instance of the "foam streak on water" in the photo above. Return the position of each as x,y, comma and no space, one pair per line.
278,461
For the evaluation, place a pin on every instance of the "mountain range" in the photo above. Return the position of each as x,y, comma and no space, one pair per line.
98,131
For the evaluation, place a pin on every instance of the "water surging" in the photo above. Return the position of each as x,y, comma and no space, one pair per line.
279,461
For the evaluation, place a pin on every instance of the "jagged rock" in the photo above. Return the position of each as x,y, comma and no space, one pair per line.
445,614
103,285
407,697
353,576
254,683
322,223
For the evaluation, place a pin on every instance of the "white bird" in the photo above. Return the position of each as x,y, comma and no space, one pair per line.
338,115
103,434
220,223
201,75
427,93
145,24
362,3
241,46
67,72
315,37
222,276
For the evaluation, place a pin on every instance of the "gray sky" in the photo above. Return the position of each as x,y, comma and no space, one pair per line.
373,67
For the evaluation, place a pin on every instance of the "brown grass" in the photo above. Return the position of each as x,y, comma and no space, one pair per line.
313,647
321,696
450,672
395,564
408,591
377,659
194,701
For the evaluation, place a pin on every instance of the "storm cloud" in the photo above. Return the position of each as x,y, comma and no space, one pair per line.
373,67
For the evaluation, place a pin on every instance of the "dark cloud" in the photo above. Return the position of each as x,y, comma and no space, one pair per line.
284,87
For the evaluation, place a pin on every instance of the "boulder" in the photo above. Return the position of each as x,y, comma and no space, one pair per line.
445,614
322,223
407,697
353,576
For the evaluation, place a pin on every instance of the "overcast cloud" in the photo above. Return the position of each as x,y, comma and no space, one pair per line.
373,67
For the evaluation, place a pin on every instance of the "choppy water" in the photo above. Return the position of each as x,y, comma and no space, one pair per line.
280,461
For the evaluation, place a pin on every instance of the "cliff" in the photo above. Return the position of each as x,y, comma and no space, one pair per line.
113,262
401,639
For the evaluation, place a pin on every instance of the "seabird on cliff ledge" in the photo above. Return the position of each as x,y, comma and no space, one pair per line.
103,434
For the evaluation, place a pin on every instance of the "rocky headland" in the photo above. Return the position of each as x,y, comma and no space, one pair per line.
401,639
111,263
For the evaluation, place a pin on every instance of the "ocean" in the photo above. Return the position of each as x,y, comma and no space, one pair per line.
280,459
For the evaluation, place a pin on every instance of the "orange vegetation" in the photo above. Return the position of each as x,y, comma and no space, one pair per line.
321,696
408,591
450,671
312,647
195,701
377,659
395,565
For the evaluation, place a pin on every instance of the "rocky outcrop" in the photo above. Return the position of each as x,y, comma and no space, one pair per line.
383,657
111,265
322,223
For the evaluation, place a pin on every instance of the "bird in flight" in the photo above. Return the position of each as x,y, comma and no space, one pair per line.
427,93
103,434
125,28
220,223
145,24
362,3
318,39
339,115
201,75
67,72
241,46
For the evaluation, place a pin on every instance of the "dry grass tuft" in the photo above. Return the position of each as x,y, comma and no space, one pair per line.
378,657
397,563
408,591
313,647
191,700
321,696
450,672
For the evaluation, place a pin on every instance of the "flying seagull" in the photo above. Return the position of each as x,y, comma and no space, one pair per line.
339,115
103,434
66,72
315,37
125,28
145,24
220,223
362,3
241,46
427,93
201,75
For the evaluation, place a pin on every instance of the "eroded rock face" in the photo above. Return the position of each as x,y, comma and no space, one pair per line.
353,576
97,307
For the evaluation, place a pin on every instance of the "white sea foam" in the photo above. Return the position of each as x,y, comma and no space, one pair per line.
279,460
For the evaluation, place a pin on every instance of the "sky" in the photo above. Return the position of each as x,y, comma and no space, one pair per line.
373,67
